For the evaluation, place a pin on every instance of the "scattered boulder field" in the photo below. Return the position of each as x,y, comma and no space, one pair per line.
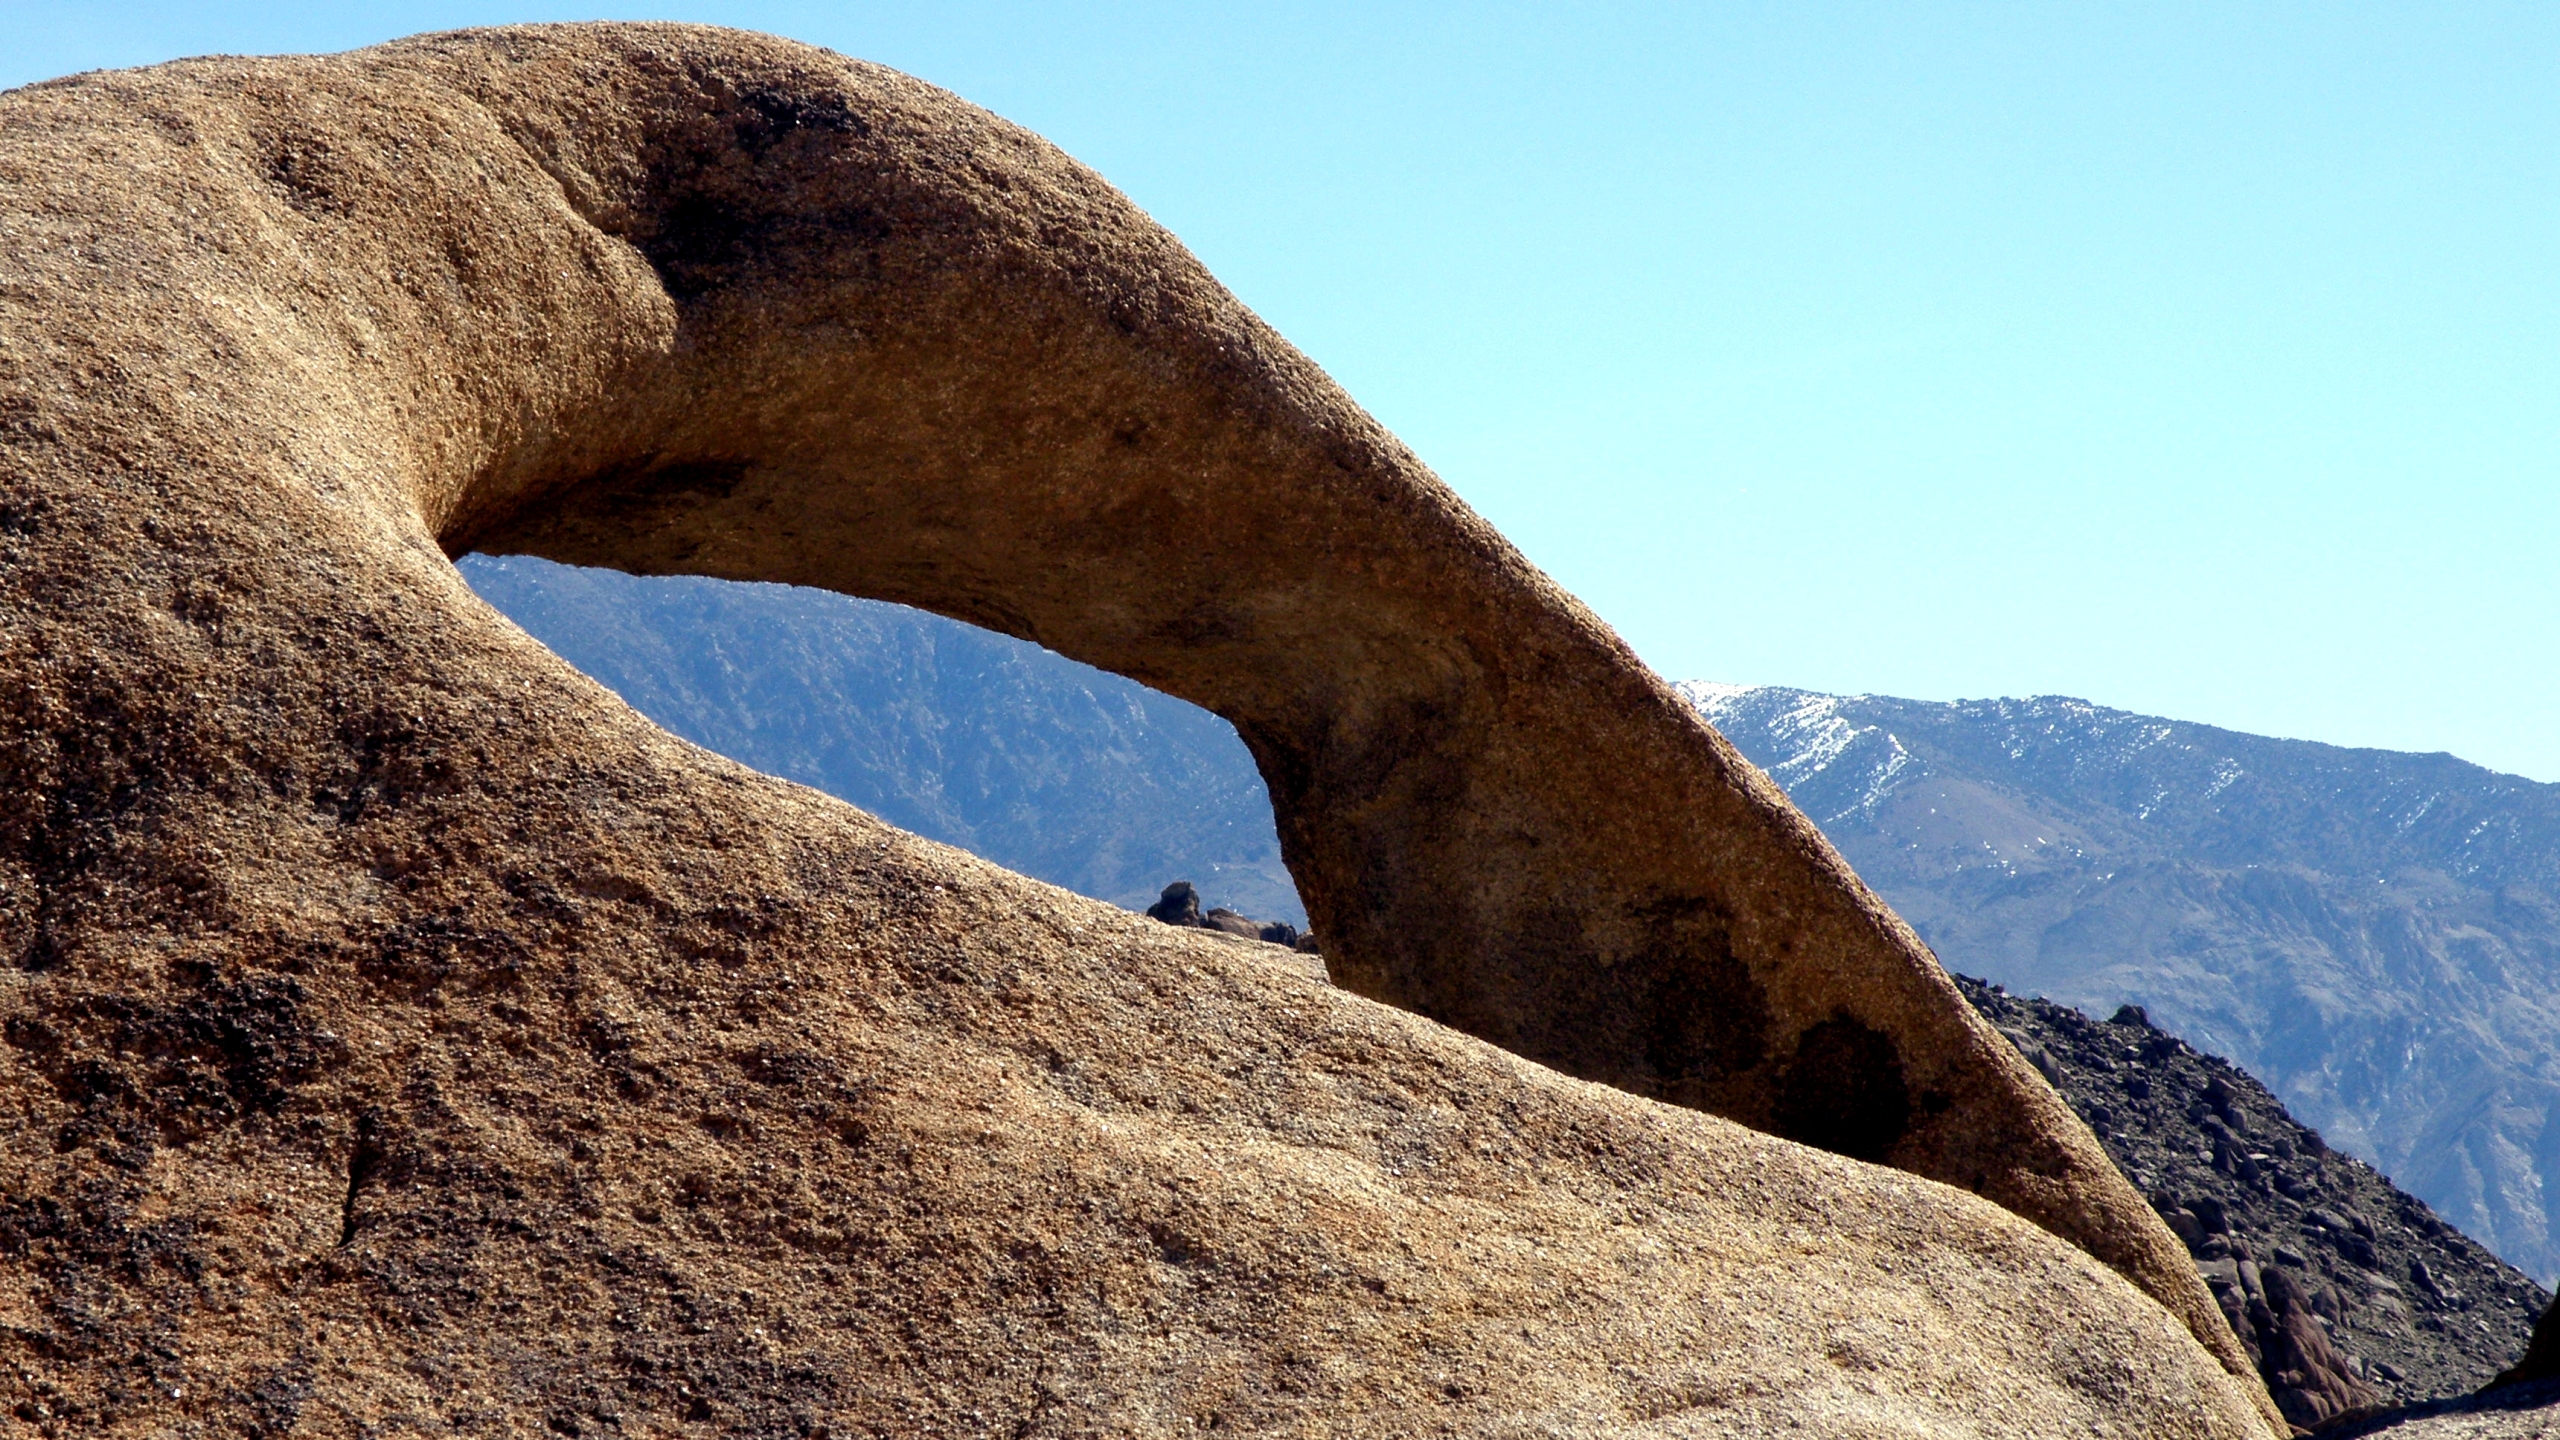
2348,1292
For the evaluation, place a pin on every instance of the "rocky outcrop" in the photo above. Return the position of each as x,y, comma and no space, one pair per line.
1180,905
2348,1292
402,1033
2312,1383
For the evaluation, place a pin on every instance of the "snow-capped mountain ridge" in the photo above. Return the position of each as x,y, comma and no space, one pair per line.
2151,769
1851,767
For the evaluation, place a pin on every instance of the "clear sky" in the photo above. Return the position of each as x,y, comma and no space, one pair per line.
2195,359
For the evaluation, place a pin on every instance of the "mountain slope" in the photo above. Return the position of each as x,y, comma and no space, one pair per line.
2397,1306
2375,935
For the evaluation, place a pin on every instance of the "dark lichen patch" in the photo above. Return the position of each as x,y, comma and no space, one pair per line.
1708,1018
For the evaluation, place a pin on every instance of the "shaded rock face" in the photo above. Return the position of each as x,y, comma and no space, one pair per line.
2541,1360
402,1033
2346,1290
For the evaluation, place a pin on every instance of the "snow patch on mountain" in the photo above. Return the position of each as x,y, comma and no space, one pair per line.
1844,767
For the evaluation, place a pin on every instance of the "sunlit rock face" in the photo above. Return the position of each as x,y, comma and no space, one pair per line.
2226,880
890,707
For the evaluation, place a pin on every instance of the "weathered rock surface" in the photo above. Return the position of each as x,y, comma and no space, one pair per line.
403,1033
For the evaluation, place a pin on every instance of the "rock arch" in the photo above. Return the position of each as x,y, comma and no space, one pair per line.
673,300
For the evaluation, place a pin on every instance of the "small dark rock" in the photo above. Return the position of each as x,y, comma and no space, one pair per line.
2424,1278
2131,1015
1228,922
1179,905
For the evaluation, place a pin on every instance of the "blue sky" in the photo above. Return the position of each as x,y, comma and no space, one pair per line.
2193,359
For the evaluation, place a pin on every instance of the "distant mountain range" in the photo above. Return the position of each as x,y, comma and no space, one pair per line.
2374,935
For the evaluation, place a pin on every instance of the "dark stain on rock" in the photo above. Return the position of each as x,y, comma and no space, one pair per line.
1845,1091
1707,1018
744,193
1680,1021
420,956
361,1167
651,495
145,1072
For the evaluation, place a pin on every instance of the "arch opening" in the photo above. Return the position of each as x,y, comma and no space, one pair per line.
1047,767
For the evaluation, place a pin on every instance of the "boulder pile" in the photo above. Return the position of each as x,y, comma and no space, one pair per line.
2349,1293
1180,905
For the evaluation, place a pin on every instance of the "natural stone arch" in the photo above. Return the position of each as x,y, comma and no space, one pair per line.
679,302
913,353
